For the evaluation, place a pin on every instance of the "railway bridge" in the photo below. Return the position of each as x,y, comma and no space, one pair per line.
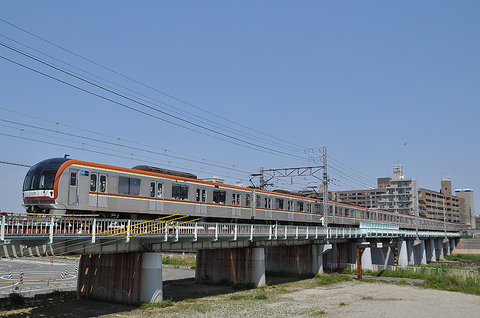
121,258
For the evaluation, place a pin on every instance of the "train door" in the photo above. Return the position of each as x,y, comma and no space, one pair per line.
73,188
201,197
97,196
236,204
156,196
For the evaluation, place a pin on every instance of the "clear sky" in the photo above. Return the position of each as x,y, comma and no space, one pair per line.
226,87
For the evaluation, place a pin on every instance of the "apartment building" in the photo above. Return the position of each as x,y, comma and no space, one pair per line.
366,198
468,209
401,196
434,205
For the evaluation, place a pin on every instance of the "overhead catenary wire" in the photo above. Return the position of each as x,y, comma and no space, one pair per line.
176,110
117,141
125,155
149,87
119,145
217,134
347,175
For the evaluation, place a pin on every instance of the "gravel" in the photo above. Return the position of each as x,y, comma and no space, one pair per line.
352,299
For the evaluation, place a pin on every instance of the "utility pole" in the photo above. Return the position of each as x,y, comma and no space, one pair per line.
313,153
444,217
325,188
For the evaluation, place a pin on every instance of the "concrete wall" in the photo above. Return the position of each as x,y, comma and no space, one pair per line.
122,277
234,265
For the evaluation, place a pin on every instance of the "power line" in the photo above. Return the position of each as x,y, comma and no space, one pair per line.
230,139
123,154
163,153
14,164
115,144
175,110
353,176
147,86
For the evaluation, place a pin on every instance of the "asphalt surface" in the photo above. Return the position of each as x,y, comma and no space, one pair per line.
21,274
41,275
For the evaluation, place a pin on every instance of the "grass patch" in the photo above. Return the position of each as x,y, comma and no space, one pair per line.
188,260
260,297
400,273
455,283
162,304
329,279
465,258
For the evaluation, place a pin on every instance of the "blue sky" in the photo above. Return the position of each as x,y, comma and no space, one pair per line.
243,85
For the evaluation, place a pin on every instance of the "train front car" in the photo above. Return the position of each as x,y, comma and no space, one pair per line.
39,191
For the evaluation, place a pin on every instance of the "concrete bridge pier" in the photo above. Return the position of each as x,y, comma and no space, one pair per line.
235,265
367,258
379,256
431,250
439,249
446,247
402,252
419,252
297,259
121,277
411,252
453,244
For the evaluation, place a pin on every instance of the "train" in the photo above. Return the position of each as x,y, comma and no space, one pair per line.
67,186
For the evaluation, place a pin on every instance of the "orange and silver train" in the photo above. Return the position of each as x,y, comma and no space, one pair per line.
67,186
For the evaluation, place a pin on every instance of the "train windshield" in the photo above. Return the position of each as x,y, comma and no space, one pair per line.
42,175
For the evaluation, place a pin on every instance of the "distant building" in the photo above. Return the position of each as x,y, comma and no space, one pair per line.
468,209
401,196
433,204
366,198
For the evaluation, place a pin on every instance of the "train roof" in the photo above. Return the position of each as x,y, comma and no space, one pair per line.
165,171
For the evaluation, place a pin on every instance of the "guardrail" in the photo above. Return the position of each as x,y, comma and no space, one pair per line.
18,227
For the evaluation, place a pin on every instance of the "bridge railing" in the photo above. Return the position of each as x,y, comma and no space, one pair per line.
51,226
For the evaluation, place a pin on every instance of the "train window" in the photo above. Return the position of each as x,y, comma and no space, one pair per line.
200,195
289,205
159,190
258,201
179,192
134,186
47,179
103,183
123,185
235,199
152,189
318,209
299,206
247,199
219,196
93,182
73,179
130,186
279,204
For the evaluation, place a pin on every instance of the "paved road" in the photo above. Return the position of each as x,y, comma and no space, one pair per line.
40,275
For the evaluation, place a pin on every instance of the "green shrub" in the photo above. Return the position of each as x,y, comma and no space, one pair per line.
15,300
